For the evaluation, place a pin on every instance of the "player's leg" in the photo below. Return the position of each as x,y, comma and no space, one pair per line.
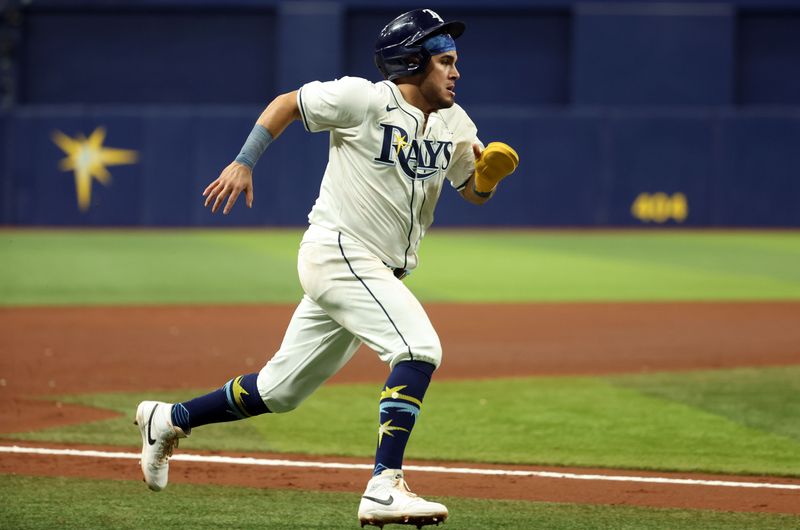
384,314
400,403
313,348
163,424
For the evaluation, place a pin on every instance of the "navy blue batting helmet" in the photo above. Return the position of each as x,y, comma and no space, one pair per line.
399,51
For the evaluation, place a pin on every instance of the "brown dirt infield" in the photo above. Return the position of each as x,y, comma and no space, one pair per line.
51,351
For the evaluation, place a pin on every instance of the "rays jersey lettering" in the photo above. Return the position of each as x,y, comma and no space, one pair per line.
385,173
417,162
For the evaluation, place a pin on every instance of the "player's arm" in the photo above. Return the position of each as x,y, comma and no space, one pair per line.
238,176
467,191
492,165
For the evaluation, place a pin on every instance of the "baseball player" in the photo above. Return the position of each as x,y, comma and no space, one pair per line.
392,145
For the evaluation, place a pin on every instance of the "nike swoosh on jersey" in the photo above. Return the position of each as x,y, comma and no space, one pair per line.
386,502
151,440
390,109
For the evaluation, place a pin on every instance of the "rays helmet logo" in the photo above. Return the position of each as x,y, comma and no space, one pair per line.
419,161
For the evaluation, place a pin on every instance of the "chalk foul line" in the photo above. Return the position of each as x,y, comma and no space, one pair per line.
250,461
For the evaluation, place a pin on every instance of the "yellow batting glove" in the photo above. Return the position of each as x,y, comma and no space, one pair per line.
496,162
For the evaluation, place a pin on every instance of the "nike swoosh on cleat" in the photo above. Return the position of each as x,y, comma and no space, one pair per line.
390,109
150,440
386,502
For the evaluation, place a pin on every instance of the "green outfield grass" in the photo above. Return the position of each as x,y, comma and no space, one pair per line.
726,421
227,266
38,503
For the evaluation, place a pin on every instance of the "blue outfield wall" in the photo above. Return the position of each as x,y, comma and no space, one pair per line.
579,168
624,113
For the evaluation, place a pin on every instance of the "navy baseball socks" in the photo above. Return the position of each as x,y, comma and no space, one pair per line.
387,498
163,424
400,404
236,400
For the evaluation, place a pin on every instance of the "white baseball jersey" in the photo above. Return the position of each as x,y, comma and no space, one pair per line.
385,172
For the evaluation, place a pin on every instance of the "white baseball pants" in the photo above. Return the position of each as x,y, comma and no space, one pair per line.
350,297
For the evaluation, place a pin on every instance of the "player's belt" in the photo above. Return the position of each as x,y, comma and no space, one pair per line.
398,272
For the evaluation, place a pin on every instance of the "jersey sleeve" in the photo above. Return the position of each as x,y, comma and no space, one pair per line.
463,164
338,104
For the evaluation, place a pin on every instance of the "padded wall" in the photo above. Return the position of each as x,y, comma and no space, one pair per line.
624,113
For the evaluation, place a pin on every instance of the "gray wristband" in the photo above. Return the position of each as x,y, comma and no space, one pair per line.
254,146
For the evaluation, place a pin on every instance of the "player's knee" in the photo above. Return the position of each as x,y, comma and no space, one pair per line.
432,355
282,400
429,352
281,403
279,396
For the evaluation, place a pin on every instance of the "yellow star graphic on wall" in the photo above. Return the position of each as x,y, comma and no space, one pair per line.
88,159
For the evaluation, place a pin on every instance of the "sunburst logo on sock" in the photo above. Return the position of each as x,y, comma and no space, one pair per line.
387,428
238,391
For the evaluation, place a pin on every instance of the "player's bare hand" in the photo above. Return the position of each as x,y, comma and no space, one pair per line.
234,179
476,150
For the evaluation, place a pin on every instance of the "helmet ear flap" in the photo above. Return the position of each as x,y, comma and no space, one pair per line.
403,62
417,61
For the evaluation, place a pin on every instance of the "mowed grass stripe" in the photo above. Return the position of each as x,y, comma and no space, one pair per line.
44,502
110,267
230,266
570,421
633,265
763,398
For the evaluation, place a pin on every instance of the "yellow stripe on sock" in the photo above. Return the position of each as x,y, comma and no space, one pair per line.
394,393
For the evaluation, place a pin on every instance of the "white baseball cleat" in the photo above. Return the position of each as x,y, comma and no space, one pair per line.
159,438
388,500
